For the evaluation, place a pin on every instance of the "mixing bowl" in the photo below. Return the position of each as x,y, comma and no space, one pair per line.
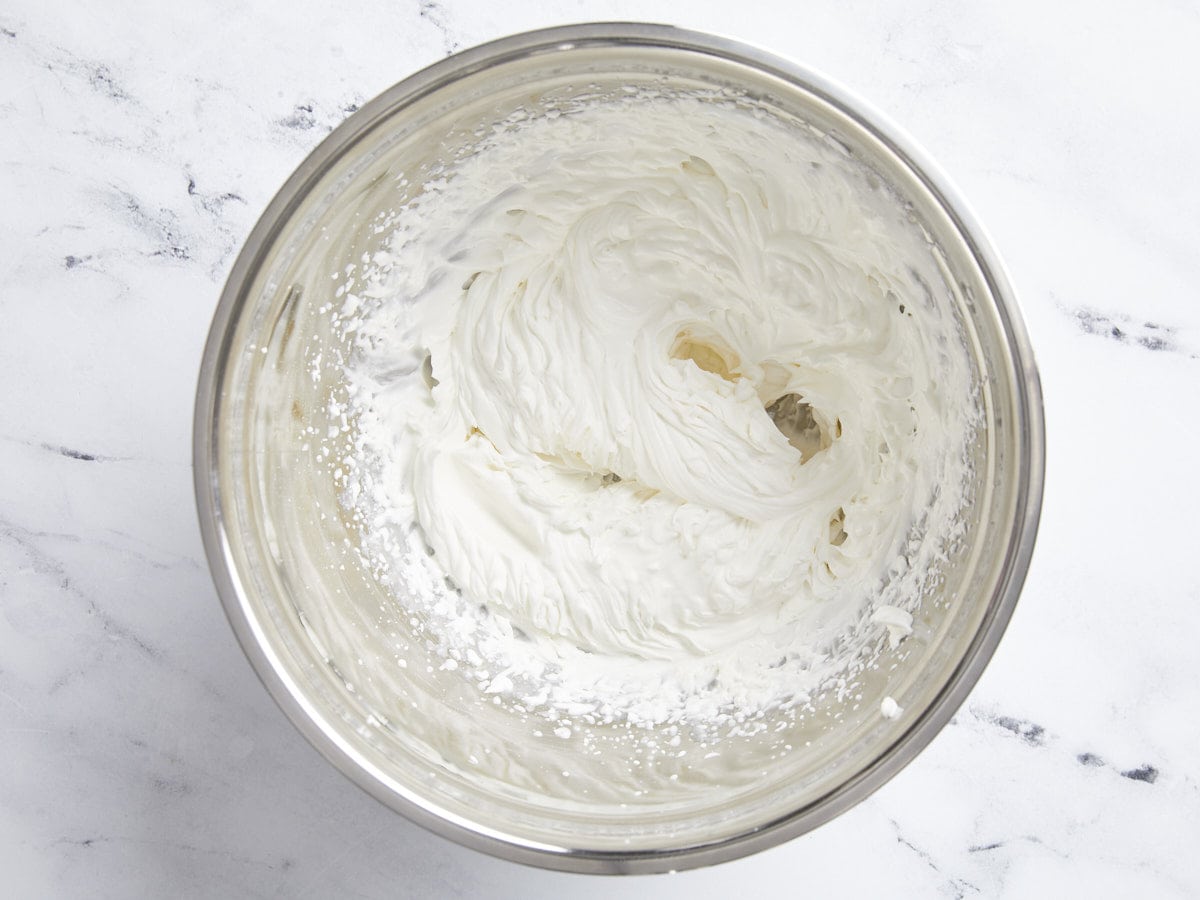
285,554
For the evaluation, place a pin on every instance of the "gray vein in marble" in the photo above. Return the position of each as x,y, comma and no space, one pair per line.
166,236
1148,774
1030,732
1035,735
87,843
311,115
957,886
97,75
24,536
49,566
80,455
134,132
436,14
100,77
1126,330
74,453
1006,845
211,201
161,226
301,118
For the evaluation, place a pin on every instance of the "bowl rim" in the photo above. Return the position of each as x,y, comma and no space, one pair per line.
309,721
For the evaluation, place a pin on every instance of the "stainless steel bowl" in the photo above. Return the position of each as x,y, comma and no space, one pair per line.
279,552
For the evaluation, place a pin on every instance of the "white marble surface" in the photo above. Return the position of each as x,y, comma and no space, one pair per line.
140,756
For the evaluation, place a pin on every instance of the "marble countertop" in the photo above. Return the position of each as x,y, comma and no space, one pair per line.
141,757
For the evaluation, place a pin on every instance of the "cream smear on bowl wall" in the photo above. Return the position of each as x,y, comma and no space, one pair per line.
615,452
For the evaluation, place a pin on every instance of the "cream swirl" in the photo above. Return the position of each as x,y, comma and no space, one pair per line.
688,394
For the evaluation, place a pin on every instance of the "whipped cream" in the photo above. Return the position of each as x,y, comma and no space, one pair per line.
889,708
660,413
